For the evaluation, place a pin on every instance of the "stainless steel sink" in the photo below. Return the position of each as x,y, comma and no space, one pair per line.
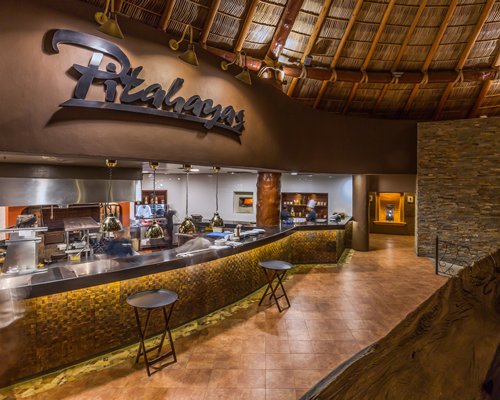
88,268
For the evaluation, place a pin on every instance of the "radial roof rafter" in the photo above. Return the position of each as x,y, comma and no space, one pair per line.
426,59
325,8
431,53
338,51
369,56
465,54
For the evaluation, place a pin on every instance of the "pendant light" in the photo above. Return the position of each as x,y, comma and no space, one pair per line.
217,222
108,21
110,222
187,226
189,56
154,230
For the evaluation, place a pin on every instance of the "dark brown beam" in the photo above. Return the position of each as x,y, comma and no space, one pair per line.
338,52
465,54
353,76
369,56
166,14
312,40
397,60
118,6
209,21
432,52
246,25
283,29
485,89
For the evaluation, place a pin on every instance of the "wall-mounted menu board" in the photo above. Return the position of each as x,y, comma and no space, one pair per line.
297,203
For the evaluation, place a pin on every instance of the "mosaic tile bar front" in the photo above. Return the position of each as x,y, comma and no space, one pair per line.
61,329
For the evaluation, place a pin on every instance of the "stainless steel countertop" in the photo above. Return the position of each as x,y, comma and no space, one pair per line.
64,276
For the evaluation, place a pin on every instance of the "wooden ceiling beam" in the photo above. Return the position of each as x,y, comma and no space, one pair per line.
252,8
370,53
486,87
404,44
209,21
312,40
283,29
338,52
353,76
118,6
166,14
465,54
432,52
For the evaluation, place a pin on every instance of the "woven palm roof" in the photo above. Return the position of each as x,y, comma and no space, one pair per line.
370,58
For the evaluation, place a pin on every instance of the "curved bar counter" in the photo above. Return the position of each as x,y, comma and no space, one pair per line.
76,311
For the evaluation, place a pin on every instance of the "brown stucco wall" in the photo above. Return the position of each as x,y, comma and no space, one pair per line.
280,133
458,184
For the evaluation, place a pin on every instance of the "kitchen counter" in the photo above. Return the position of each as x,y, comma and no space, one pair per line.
65,276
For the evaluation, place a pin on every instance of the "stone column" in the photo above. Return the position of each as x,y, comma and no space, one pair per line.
268,198
361,227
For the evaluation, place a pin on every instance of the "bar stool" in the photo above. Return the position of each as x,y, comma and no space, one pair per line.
151,300
275,269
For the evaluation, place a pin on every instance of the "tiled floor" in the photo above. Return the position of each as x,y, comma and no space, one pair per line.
259,353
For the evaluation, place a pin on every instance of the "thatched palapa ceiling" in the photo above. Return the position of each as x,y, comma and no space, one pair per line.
416,59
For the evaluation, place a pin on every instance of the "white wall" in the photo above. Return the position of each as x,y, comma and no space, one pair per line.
3,221
338,187
202,191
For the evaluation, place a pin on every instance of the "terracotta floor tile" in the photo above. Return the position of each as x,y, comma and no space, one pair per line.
253,361
300,346
259,353
235,394
277,345
180,394
303,361
279,379
279,361
237,378
280,394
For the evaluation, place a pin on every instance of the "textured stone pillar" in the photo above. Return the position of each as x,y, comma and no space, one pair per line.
360,232
268,198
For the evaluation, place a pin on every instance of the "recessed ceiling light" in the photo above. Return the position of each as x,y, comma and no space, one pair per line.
195,170
294,173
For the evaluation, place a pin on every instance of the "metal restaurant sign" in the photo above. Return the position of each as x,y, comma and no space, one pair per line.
152,100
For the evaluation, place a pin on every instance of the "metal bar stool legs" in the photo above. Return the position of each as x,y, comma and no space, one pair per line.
143,351
275,270
150,301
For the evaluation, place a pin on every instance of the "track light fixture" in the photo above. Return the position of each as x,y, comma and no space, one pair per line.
189,56
108,20
240,59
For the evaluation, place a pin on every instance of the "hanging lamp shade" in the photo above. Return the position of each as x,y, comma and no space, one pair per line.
187,226
154,230
111,27
111,224
217,222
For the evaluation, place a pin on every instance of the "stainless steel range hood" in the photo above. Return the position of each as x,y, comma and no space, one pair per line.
26,185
